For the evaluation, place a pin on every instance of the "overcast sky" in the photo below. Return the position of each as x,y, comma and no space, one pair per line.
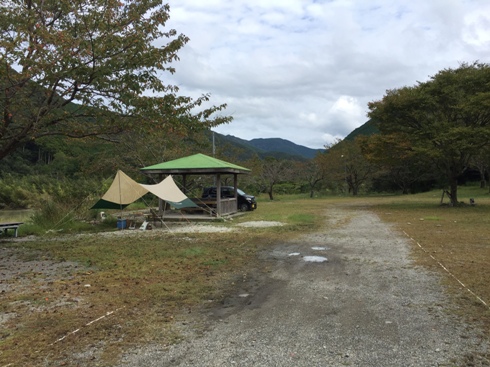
304,70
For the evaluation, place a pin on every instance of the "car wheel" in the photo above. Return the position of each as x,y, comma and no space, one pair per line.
243,207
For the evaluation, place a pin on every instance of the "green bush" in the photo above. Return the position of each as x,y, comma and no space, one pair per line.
13,195
23,192
50,214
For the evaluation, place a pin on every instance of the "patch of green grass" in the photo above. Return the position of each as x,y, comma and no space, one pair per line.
298,212
193,251
302,218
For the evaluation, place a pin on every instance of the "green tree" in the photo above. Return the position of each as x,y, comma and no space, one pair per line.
309,173
446,119
82,68
395,159
268,172
481,162
344,163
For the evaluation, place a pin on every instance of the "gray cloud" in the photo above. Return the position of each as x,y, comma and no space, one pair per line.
304,70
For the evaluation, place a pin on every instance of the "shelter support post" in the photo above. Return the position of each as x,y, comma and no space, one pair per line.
218,195
235,185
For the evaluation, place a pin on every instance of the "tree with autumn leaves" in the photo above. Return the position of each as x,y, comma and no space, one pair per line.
344,165
445,120
92,68
395,161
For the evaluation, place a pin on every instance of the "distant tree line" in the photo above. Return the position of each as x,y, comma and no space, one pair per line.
433,134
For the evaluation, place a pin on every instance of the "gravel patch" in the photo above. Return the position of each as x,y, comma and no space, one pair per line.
17,273
201,228
261,223
368,305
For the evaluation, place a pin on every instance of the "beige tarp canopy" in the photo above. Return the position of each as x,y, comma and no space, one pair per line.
168,191
124,190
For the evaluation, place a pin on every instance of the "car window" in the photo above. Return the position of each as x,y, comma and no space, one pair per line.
227,193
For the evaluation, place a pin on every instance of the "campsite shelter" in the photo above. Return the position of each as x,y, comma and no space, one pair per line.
201,164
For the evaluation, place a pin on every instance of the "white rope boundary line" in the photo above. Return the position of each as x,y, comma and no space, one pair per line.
451,274
77,330
87,324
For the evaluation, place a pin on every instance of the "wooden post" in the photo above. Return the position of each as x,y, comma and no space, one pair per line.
235,184
218,195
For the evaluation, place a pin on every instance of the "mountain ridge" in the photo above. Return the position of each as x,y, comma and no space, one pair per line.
285,149
275,147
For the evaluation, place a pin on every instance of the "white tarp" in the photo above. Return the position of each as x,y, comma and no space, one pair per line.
124,190
166,190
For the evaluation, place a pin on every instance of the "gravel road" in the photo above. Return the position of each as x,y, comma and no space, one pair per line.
346,296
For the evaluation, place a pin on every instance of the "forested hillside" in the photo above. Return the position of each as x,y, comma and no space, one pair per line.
266,147
367,129
73,168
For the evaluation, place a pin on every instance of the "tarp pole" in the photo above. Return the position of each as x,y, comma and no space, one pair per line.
120,200
160,201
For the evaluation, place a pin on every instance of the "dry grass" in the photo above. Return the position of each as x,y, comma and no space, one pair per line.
149,282
139,285
454,238
145,283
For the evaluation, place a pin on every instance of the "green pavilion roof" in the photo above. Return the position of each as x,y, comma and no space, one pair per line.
197,163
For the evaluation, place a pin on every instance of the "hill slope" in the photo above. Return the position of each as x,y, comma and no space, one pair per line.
366,129
265,147
284,146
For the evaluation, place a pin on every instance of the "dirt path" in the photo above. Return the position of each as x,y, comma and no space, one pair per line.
368,305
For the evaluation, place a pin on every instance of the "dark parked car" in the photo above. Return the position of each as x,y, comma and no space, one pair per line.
244,202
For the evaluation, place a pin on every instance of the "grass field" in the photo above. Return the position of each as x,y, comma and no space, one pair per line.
141,284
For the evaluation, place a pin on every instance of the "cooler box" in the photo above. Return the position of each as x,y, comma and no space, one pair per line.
121,223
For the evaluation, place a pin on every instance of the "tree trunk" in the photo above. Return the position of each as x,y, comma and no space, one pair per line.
483,181
355,185
348,181
271,196
454,191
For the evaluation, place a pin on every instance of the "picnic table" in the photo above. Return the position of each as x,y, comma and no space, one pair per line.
12,225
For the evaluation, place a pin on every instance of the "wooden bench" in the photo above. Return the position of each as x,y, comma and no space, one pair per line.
14,225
